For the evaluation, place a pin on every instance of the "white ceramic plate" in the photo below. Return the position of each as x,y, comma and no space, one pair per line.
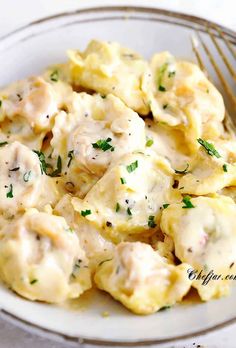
28,51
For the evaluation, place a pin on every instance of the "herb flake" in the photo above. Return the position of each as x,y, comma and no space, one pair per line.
151,221
86,212
129,212
10,192
3,143
225,168
162,71
117,207
103,144
123,181
54,76
187,201
131,167
149,142
210,148
43,164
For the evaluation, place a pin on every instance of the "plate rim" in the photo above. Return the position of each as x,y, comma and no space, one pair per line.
126,8
192,21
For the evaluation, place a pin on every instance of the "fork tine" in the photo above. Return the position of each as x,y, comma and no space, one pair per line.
228,44
228,123
199,59
221,53
217,70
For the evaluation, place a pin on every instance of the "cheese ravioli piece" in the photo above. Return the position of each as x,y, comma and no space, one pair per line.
41,258
128,199
28,108
205,238
141,279
100,132
96,247
22,181
21,178
32,99
107,67
209,173
166,142
181,96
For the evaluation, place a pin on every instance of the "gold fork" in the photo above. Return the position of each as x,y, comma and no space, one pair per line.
224,58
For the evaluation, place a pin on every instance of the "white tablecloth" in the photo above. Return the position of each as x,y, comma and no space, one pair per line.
15,13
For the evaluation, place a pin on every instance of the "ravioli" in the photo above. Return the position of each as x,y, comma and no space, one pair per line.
22,181
41,258
96,247
181,96
166,142
141,279
33,99
209,173
107,67
205,238
100,132
128,199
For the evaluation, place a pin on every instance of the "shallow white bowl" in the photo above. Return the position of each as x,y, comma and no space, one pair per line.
28,51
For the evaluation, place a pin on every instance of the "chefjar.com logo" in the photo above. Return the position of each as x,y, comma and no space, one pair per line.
205,278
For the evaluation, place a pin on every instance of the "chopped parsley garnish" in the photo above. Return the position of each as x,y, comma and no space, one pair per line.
43,164
54,76
129,212
166,205
225,169
57,171
27,176
161,88
86,212
131,167
3,143
165,106
149,142
187,201
210,149
171,73
160,78
123,181
117,207
34,281
103,145
10,192
70,155
182,171
0,103
151,222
